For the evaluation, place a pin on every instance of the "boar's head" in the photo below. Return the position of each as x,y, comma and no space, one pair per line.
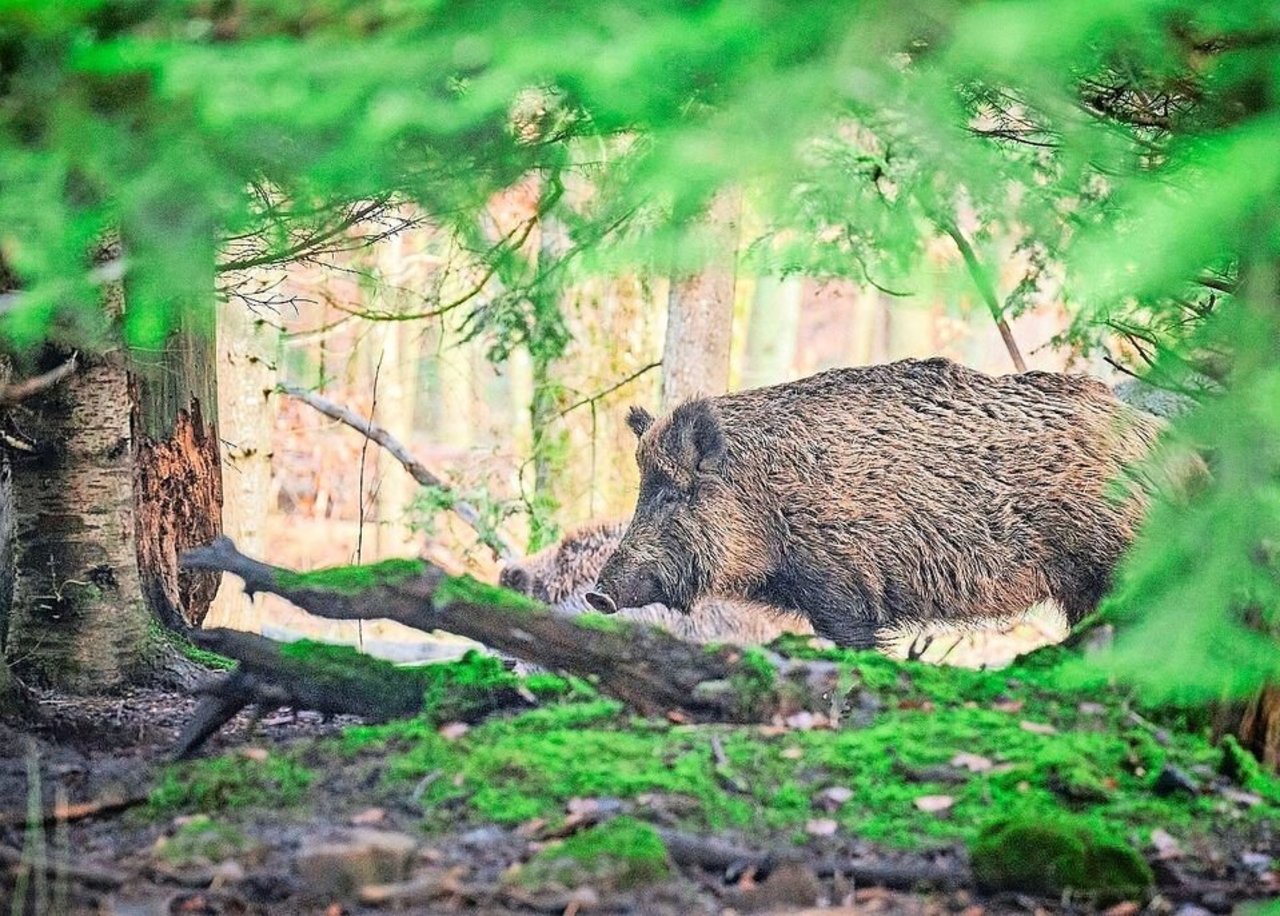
690,530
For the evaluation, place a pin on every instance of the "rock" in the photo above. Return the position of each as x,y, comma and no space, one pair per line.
789,886
1172,780
339,867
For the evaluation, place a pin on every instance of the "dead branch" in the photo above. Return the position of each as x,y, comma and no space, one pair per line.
110,803
20,391
716,855
651,671
87,875
501,547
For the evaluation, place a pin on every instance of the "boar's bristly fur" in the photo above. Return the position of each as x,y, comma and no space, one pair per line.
872,498
562,574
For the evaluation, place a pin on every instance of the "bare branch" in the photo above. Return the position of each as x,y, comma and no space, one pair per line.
20,391
611,389
494,540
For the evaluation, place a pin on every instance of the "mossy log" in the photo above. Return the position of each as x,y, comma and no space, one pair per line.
337,680
649,670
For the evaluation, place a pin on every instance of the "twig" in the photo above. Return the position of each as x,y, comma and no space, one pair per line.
108,804
500,546
716,855
611,389
986,289
20,391
83,874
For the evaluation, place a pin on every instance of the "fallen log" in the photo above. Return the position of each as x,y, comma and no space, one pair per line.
651,671
336,680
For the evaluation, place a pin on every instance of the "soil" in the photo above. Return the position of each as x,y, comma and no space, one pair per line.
108,751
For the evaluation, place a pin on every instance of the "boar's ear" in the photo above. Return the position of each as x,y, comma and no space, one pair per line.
701,438
639,420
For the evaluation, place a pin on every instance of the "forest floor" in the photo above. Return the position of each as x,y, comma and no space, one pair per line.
936,790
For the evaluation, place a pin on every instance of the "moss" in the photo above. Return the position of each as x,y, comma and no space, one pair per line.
620,853
352,579
220,783
1238,764
604,623
1052,856
466,590
203,841
755,681
508,770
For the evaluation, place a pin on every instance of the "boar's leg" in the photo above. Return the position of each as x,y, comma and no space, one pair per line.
837,611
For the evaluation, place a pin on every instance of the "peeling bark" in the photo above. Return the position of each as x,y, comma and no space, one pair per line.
179,485
177,481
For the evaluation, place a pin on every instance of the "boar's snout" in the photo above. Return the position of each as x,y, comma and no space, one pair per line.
616,590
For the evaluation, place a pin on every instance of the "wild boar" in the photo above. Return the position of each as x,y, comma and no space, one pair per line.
562,575
881,498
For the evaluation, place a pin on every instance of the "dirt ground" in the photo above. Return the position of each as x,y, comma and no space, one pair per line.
359,847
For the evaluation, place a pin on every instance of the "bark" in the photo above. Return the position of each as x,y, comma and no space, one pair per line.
177,466
649,670
1258,727
771,334
695,355
77,619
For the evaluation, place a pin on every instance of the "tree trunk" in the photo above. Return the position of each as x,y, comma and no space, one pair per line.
246,377
124,476
177,468
771,334
695,355
78,618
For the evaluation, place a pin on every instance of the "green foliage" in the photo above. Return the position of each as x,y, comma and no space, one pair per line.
1127,145
620,853
1054,856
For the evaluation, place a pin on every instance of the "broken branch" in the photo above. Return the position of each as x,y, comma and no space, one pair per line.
494,540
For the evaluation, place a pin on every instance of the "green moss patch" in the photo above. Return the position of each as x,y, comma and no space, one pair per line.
466,590
1048,748
203,841
233,781
620,853
352,579
1053,856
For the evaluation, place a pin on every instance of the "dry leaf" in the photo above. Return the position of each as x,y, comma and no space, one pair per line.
1037,728
452,731
934,803
974,763
821,826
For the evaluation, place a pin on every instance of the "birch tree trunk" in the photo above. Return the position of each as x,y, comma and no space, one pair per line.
695,354
246,374
124,477
79,620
